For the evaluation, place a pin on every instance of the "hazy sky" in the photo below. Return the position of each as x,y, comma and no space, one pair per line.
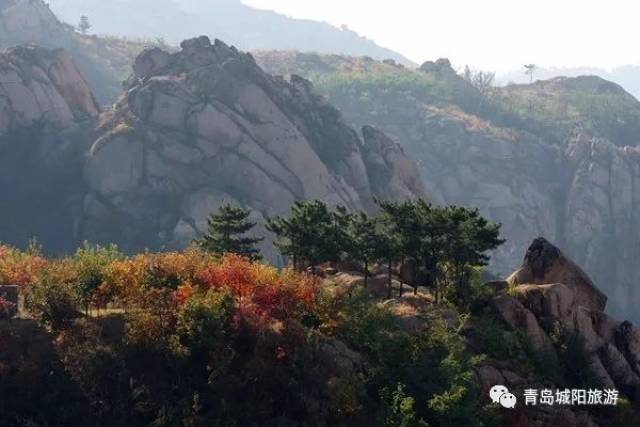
496,35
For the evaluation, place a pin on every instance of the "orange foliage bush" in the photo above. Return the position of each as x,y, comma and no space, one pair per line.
162,283
19,268
261,291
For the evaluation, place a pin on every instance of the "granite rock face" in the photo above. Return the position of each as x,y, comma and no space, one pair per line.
584,196
550,294
27,20
47,112
24,22
206,125
545,263
38,85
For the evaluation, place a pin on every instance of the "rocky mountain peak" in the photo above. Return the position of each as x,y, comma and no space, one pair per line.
545,264
540,256
559,303
205,125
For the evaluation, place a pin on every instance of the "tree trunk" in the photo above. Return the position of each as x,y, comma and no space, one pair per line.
401,281
389,281
366,274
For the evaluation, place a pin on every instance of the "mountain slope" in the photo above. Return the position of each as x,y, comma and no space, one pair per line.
105,62
229,20
627,76
46,112
555,158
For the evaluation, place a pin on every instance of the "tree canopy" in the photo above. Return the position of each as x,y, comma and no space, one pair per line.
226,233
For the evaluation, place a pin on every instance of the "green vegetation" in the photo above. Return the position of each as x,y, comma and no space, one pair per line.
557,110
445,243
391,96
207,338
226,233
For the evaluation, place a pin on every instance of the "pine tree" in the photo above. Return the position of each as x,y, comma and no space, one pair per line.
364,239
312,234
468,236
84,26
226,233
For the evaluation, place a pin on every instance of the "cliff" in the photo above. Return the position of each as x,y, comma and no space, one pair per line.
206,125
555,158
561,312
38,84
47,112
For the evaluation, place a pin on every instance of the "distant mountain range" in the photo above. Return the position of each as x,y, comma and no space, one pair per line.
627,76
231,20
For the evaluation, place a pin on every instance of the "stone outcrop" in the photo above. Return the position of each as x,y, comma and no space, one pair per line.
41,85
206,125
545,263
47,112
584,197
550,295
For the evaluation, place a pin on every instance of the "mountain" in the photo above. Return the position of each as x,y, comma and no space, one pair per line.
556,158
627,76
193,129
46,112
230,20
105,61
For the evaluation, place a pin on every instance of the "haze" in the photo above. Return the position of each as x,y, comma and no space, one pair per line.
496,35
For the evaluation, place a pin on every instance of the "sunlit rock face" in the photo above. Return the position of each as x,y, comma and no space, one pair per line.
551,296
205,126
41,85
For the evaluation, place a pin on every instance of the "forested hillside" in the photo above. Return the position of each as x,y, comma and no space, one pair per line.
199,338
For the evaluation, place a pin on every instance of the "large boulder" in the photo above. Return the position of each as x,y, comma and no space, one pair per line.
545,264
550,295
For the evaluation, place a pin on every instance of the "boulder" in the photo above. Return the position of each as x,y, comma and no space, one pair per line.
518,317
544,264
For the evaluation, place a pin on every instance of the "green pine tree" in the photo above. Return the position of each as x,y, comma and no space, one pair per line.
364,240
312,234
226,233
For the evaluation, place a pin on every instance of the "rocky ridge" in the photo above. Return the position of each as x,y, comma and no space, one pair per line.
101,59
206,125
568,172
550,296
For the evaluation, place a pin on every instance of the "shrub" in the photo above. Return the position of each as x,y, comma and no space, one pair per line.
19,268
203,322
89,263
399,408
53,299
